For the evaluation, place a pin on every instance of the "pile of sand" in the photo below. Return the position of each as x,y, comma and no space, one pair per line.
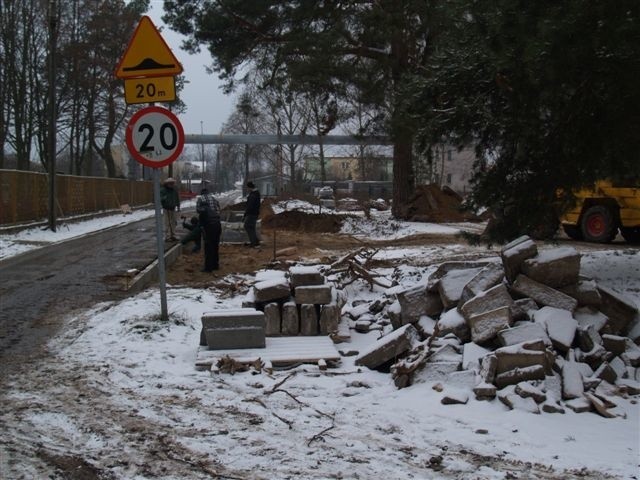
430,203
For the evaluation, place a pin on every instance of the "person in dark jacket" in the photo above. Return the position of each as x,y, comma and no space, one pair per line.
251,213
170,201
194,235
208,210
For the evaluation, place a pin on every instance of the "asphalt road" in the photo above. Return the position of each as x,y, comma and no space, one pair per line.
39,287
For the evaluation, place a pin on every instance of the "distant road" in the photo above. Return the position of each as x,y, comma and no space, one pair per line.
39,287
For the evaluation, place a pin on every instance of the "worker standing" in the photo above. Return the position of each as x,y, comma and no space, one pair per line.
251,214
170,201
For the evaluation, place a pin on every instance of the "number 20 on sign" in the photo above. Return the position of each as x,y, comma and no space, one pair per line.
155,137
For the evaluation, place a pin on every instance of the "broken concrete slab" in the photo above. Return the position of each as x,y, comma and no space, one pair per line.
388,347
466,379
572,385
521,355
446,267
631,386
527,389
517,375
606,373
486,278
542,294
491,299
618,366
523,308
631,355
614,343
586,316
579,405
452,321
435,372
485,326
515,402
452,283
313,294
271,290
485,391
560,325
413,304
525,332
305,275
446,353
598,405
585,292
471,355
455,397
488,368
556,267
515,253
552,406
588,338
620,309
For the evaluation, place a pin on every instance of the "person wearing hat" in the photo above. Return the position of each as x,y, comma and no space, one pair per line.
251,213
170,201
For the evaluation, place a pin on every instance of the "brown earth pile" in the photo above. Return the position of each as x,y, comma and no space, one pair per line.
303,222
430,203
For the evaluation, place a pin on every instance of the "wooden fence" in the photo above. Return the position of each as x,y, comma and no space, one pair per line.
24,195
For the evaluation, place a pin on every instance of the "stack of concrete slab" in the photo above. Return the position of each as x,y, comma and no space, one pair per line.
300,303
233,328
529,330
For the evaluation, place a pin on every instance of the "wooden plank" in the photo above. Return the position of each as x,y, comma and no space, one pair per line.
278,351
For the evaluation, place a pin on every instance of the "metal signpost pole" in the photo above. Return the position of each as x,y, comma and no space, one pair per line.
160,244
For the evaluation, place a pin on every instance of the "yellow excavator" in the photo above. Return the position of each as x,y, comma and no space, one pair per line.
600,212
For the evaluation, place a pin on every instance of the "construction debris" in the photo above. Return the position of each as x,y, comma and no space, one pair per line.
532,332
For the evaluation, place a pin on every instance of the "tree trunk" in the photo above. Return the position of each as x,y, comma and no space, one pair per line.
402,171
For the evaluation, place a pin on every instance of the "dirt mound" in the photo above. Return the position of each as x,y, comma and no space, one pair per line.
304,222
431,203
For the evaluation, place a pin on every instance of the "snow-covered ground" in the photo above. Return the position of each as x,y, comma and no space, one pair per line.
120,391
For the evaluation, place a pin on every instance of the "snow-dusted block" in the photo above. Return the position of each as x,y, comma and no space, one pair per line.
516,402
446,353
236,337
557,267
620,309
462,379
388,347
454,396
619,367
526,390
517,375
329,318
452,283
305,275
515,253
572,384
521,355
542,294
585,292
523,308
606,373
426,325
485,326
272,319
271,290
313,294
416,302
435,372
471,355
233,328
634,330
485,301
552,406
599,405
579,405
485,391
308,320
586,316
588,338
446,267
453,322
560,325
486,278
631,355
614,343
290,319
488,368
525,332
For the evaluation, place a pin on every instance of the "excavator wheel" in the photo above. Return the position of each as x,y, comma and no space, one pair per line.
598,224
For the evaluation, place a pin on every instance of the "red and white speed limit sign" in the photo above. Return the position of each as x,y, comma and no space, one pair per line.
155,137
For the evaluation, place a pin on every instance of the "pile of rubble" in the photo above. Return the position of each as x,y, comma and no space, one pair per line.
430,203
529,330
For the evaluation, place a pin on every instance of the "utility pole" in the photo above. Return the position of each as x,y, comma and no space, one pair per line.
202,157
51,111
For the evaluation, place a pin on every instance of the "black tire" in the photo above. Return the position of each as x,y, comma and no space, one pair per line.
573,232
631,234
598,224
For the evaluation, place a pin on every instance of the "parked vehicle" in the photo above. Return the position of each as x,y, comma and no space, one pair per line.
600,212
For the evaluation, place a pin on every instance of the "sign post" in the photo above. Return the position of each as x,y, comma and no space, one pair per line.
154,135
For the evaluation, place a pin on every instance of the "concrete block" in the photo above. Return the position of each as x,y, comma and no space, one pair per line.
514,401
572,385
620,309
290,319
485,391
488,368
560,325
413,304
614,344
588,338
485,326
585,292
446,267
235,337
329,318
588,316
455,397
388,347
452,283
521,355
308,320
517,375
491,299
522,309
231,318
435,372
305,275
514,254
526,390
486,278
313,294
446,353
579,405
472,354
606,373
542,294
453,322
272,319
466,379
556,268
631,355
525,332
271,290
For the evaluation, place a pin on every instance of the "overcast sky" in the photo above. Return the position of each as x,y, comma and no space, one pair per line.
205,100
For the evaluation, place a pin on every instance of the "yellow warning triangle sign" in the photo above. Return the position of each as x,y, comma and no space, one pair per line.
147,54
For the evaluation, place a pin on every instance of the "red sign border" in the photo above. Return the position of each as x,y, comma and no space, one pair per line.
129,137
